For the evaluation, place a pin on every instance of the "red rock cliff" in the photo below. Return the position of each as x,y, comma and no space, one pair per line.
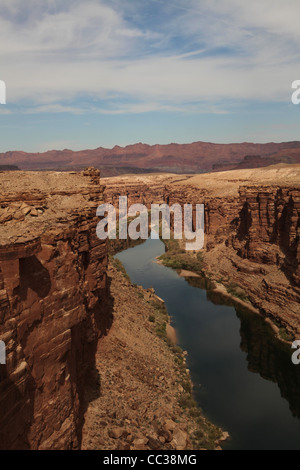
269,229
53,305
252,226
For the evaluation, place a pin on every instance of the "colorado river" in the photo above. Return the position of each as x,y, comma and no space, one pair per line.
244,379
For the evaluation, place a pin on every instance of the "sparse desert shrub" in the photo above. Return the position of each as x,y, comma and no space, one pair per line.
161,330
177,258
118,265
186,401
236,291
285,335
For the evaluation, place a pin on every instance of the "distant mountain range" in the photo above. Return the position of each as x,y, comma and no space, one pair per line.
197,157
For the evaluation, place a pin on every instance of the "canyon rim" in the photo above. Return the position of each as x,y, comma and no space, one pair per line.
60,300
149,228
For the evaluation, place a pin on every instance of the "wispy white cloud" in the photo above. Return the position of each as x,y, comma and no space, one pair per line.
54,108
56,54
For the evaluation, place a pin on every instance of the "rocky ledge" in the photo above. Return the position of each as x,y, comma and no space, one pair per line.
252,230
54,305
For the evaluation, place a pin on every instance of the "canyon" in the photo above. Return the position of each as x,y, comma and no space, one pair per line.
54,305
62,315
70,322
144,389
252,229
196,157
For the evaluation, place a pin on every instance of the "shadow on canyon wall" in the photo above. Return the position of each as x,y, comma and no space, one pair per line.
35,276
16,411
85,368
288,246
21,390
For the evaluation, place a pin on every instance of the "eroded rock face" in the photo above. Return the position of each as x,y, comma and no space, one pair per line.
269,229
252,230
53,308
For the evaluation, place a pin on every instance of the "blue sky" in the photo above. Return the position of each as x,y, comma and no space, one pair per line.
84,74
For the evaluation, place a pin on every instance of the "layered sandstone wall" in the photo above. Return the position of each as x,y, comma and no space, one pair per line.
269,228
266,246
54,306
252,230
144,189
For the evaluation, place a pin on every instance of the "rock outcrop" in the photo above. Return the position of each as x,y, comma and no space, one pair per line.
252,227
269,231
54,305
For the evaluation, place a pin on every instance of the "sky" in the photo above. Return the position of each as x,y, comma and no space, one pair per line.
85,74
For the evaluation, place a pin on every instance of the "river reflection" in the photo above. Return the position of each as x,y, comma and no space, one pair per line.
244,378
